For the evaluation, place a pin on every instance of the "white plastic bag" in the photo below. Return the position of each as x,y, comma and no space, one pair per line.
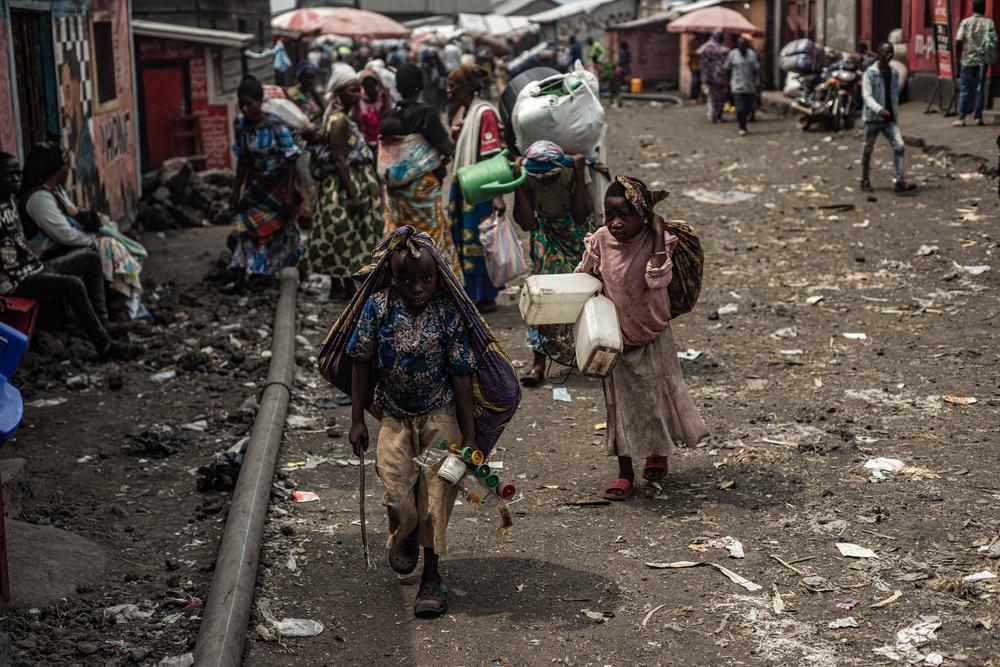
563,109
502,251
289,112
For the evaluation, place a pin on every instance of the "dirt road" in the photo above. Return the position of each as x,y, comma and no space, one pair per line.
796,407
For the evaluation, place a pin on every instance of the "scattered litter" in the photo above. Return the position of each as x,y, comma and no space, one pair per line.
970,176
854,551
598,616
86,459
816,298
589,501
561,394
845,622
730,544
990,550
651,612
650,165
301,421
123,613
732,576
721,197
848,604
305,496
817,584
170,619
889,600
158,444
222,473
163,376
909,638
688,354
979,576
46,402
777,603
883,463
786,332
198,426
791,352
728,309
974,270
927,250
601,426
855,336
185,660
289,627
960,400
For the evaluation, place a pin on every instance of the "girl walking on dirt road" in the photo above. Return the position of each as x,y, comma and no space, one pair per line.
649,407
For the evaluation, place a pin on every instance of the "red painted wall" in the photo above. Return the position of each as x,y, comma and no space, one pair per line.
8,135
921,37
214,117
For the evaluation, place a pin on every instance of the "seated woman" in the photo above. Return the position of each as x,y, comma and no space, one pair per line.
70,240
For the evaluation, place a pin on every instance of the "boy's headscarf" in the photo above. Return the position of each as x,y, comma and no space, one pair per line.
641,197
496,390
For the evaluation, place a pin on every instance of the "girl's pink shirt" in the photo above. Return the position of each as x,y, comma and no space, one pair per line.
637,288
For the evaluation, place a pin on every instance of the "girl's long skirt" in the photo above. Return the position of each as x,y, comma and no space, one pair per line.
340,243
649,407
465,223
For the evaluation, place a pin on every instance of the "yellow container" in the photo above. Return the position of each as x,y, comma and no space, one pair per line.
635,85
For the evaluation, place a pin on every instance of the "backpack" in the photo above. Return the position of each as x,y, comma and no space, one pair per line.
689,261
990,44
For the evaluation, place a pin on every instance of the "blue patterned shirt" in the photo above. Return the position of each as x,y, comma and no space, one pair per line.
268,146
415,355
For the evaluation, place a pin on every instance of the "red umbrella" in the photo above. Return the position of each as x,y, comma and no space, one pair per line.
713,18
341,21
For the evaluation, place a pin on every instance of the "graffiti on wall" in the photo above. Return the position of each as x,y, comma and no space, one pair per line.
101,141
8,135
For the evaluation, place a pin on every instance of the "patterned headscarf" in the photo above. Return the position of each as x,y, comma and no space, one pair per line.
642,198
544,157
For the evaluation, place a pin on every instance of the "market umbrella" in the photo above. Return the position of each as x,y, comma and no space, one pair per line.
713,18
344,21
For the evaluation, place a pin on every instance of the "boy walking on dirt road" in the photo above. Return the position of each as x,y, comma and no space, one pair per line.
880,92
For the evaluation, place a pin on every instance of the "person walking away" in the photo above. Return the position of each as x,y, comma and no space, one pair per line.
694,65
264,200
373,106
978,37
713,56
435,80
649,407
880,113
22,273
596,54
476,130
576,52
624,64
555,208
306,93
75,242
450,56
741,64
346,223
413,344
419,202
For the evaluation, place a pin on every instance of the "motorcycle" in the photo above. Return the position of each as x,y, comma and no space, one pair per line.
832,98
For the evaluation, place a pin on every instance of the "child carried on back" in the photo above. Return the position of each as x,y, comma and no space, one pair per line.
649,407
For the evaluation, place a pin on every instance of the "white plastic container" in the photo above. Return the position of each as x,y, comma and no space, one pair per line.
598,337
556,298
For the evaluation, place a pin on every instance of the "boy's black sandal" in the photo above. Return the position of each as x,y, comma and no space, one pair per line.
404,559
432,599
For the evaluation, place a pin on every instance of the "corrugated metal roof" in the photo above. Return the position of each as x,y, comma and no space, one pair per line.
186,33
569,9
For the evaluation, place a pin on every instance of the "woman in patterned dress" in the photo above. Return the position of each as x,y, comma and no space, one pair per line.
347,221
477,137
264,195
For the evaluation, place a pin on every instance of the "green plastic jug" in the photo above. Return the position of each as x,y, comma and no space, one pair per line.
485,180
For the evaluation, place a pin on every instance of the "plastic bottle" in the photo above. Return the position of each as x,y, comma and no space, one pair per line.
473,491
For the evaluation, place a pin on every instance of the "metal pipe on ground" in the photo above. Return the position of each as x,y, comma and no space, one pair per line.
227,611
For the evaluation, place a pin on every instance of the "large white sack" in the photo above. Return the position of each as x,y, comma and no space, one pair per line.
574,120
289,112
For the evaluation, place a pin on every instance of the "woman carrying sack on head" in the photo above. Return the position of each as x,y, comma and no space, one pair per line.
554,205
415,149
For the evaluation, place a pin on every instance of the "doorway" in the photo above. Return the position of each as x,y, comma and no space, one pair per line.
166,94
886,17
35,68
